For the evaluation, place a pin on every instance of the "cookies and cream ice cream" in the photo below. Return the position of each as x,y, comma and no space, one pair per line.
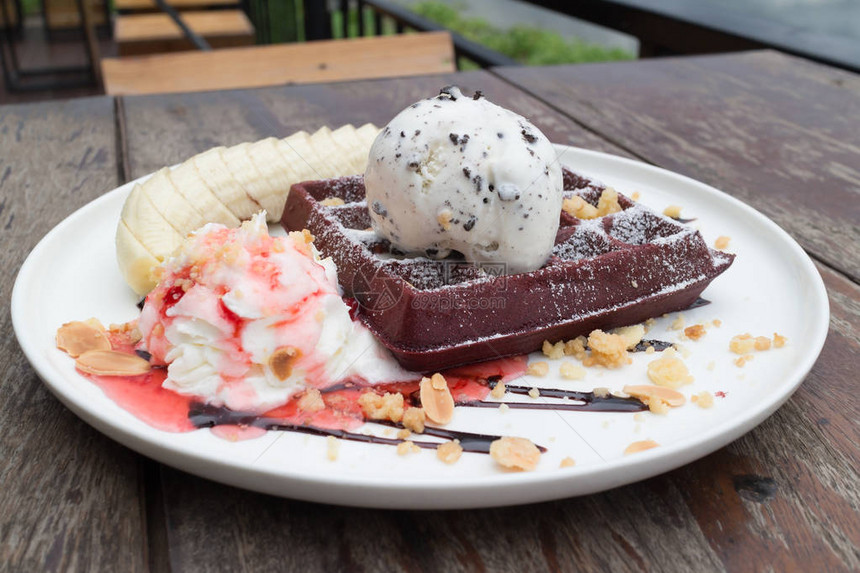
246,320
460,173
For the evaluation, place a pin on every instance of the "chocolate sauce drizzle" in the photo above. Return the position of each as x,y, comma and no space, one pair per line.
587,401
207,416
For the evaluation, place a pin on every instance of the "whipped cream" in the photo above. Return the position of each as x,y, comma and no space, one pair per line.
246,320
460,173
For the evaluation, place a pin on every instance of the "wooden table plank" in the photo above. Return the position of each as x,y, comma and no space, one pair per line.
69,498
167,129
775,131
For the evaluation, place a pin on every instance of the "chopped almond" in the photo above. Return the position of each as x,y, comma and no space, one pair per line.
436,399
386,407
112,363
406,448
413,419
607,350
76,337
694,332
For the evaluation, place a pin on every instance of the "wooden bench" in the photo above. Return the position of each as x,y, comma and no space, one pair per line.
323,61
64,14
151,6
138,34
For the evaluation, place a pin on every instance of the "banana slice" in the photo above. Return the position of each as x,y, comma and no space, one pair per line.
316,167
149,226
269,162
211,167
348,142
135,263
249,177
367,135
187,181
227,185
173,206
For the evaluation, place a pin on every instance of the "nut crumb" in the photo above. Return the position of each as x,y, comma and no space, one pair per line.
444,219
281,361
740,361
413,419
567,462
386,407
632,334
498,391
449,452
553,351
762,343
695,332
571,371
607,350
311,401
673,211
576,348
403,434
332,448
703,399
503,408
636,195
650,350
717,322
669,370
406,448
640,446
779,340
515,453
711,365
742,343
538,369
678,323
534,393
722,242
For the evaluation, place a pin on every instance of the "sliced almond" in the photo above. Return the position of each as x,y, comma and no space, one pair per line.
112,363
436,399
281,361
640,446
76,337
646,392
515,453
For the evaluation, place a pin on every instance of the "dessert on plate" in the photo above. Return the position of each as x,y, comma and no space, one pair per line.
396,296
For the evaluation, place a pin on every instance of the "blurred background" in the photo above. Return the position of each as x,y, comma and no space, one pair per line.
54,48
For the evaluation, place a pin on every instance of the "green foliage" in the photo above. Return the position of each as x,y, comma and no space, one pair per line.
526,44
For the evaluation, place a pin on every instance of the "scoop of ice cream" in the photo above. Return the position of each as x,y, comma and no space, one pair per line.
245,320
460,173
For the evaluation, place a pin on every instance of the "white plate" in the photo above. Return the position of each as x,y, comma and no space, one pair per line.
771,287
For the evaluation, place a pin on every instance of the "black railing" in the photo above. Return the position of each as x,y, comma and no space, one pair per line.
388,16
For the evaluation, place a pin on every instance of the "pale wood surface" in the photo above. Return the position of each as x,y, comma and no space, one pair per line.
323,61
137,34
784,497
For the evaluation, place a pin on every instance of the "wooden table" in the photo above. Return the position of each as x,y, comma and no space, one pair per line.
777,132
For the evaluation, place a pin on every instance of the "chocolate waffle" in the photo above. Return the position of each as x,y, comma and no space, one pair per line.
611,271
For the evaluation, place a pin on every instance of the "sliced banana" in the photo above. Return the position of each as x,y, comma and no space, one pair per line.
316,168
149,226
135,262
366,135
211,167
187,181
173,206
227,185
267,159
351,147
239,163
